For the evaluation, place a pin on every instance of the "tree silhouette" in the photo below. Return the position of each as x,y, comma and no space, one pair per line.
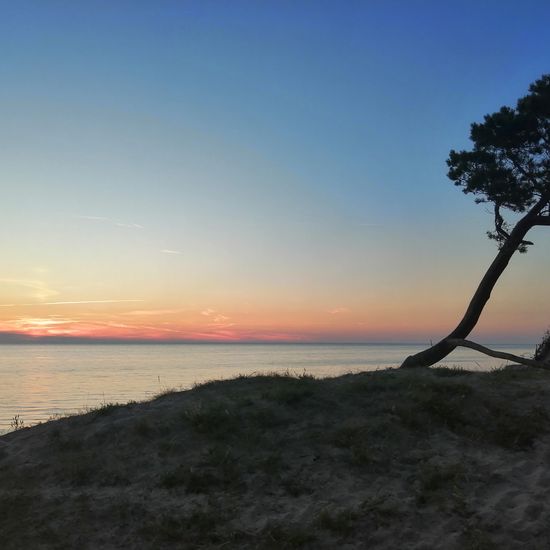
509,167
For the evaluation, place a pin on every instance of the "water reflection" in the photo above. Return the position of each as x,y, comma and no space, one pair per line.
40,381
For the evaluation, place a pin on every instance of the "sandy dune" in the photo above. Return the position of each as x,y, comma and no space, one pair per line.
394,459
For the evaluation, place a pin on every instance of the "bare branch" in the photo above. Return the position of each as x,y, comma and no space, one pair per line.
498,354
499,223
500,227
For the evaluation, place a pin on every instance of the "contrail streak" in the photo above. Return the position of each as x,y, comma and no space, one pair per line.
69,303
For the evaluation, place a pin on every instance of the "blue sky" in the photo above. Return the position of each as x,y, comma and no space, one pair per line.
290,155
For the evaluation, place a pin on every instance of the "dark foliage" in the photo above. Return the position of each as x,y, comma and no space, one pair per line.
509,164
542,351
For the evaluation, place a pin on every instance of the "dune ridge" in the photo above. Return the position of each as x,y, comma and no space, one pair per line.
434,458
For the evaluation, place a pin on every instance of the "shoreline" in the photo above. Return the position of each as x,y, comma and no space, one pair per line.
40,382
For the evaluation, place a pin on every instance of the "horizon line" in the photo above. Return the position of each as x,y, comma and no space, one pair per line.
121,341
9,337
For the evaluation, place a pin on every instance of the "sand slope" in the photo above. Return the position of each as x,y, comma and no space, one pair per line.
394,459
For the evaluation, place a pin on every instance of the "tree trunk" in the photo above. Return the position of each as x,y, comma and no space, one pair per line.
440,350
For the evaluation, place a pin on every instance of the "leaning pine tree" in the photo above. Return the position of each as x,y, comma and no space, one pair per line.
509,167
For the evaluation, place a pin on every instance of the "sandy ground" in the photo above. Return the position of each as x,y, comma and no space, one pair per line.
393,459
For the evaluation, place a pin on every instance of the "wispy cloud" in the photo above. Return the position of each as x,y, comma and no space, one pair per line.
217,319
93,302
221,321
39,326
338,310
40,289
110,221
220,318
93,218
152,312
130,225
168,251
162,329
221,325
71,303
117,325
35,322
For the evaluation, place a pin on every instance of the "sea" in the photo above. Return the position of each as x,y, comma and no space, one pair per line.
41,382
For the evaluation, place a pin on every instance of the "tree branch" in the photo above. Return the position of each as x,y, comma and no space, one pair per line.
499,222
500,228
498,354
541,220
522,170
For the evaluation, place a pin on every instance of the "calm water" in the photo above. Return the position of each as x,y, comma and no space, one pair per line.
41,381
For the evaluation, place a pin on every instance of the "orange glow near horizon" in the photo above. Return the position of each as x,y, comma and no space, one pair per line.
45,303
205,324
96,320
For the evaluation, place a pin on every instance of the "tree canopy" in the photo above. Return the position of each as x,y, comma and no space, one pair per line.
509,164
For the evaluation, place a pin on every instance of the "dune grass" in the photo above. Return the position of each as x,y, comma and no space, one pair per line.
283,461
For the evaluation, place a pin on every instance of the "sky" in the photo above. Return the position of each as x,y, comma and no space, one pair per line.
257,171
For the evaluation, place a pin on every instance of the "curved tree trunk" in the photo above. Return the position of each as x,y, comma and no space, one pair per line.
440,350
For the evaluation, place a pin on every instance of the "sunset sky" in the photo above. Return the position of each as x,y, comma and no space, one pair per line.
257,171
